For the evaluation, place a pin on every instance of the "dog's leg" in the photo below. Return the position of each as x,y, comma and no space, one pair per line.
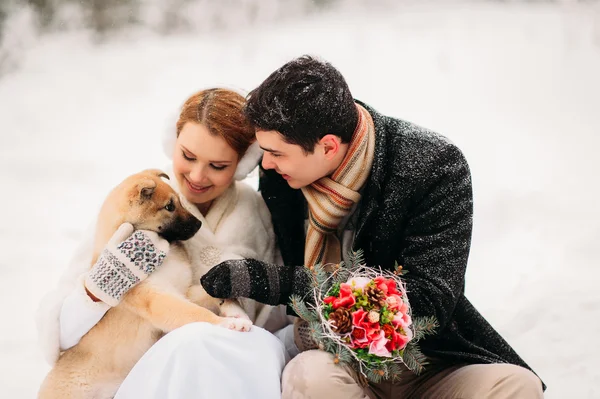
168,311
225,307
67,382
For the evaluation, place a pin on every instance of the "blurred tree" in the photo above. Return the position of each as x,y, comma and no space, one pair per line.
106,15
45,10
173,19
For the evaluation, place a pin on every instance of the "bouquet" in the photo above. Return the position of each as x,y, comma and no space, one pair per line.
362,316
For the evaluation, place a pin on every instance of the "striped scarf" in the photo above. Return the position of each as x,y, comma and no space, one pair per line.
330,199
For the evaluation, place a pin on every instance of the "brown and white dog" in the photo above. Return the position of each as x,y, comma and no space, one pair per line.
166,300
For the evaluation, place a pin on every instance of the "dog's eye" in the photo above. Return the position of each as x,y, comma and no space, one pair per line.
170,206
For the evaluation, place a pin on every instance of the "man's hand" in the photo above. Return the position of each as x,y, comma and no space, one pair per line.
250,278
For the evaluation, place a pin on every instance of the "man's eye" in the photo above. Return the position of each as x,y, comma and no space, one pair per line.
275,155
186,157
170,206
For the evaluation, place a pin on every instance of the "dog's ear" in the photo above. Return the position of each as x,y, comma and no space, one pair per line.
157,173
146,188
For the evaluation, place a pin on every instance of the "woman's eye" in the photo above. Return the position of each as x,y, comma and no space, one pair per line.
170,207
186,157
216,167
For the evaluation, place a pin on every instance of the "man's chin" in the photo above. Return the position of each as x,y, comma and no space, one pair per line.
295,184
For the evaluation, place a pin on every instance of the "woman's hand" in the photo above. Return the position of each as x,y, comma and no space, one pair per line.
128,258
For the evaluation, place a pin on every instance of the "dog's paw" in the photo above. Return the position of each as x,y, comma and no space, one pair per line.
234,311
236,323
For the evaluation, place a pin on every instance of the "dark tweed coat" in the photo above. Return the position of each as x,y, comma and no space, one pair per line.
417,209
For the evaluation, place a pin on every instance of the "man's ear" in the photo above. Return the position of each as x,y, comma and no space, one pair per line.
331,145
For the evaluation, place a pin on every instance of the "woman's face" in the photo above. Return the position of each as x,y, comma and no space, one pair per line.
203,163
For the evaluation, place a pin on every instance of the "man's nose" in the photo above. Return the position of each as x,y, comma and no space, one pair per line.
267,162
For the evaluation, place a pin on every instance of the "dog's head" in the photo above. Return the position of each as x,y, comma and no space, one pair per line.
152,204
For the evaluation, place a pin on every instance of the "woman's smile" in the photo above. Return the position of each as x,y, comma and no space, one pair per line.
196,188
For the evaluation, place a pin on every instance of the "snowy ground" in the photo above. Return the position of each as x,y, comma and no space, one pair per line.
516,87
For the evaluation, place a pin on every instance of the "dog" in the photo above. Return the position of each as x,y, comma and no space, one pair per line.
166,300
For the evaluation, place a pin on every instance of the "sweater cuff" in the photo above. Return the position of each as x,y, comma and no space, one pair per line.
78,315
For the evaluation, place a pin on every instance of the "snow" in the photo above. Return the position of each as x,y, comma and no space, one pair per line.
515,86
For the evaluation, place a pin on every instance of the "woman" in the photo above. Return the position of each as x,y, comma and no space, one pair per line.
210,147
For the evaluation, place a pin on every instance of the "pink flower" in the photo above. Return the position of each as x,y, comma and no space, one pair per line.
359,337
394,302
402,318
388,286
378,346
359,283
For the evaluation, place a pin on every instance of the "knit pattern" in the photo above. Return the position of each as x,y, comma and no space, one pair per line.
330,199
141,252
112,276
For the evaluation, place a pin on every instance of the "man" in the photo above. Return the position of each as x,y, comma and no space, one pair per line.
337,175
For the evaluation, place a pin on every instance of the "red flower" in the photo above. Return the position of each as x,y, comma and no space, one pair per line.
359,333
329,299
388,286
346,298
388,330
398,341
360,319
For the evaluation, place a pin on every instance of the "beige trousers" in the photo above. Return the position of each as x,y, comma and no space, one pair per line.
313,375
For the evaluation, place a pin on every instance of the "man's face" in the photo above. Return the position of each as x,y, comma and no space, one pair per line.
290,161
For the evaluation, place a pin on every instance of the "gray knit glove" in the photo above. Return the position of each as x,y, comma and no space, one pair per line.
128,258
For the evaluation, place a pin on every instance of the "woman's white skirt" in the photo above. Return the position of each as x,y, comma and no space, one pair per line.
201,360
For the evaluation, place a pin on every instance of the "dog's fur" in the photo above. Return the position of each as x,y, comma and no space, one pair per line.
166,300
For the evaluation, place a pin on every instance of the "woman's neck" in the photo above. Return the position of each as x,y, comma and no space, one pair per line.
204,207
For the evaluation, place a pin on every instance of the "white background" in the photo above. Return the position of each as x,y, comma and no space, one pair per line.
516,87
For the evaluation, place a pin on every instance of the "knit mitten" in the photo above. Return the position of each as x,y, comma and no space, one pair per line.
128,258
261,281
303,336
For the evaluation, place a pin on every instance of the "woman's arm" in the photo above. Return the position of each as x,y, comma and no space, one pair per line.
78,314
66,313
69,312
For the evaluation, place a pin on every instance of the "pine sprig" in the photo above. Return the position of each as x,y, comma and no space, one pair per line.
356,258
302,310
375,375
424,326
341,275
414,359
394,371
320,274
345,355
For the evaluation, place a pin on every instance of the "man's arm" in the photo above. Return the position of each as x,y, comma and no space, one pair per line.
435,249
437,238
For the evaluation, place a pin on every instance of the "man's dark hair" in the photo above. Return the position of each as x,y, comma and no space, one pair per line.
304,100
